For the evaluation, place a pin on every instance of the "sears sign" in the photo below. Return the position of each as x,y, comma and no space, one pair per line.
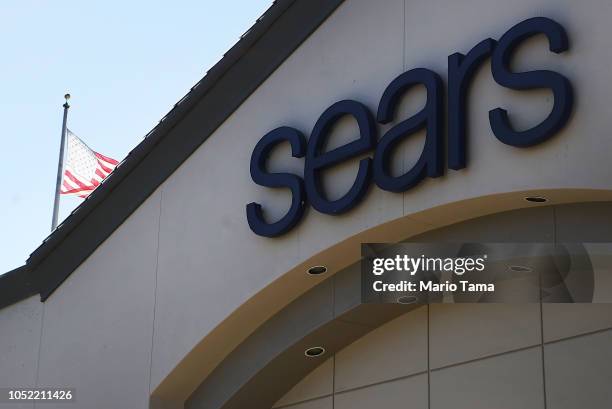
461,70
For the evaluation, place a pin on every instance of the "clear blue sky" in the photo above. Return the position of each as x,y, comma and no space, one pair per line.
126,63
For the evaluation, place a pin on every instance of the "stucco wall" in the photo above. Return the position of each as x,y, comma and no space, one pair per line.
20,326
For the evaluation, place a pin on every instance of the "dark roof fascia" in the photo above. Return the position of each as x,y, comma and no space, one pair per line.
16,285
273,38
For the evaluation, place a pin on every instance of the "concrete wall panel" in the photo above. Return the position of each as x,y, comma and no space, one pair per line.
463,332
98,325
20,326
578,372
507,381
408,392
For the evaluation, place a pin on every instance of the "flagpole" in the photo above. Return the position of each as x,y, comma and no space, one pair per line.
60,166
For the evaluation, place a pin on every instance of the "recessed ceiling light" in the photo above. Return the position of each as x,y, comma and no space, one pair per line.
314,352
407,299
536,199
317,270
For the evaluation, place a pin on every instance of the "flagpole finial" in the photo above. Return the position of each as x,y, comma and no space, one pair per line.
66,97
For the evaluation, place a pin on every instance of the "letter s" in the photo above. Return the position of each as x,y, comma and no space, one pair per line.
260,175
560,86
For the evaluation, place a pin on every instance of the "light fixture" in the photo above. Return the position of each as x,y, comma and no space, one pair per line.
317,270
536,199
407,299
314,352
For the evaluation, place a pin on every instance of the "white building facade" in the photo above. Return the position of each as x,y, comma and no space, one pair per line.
157,293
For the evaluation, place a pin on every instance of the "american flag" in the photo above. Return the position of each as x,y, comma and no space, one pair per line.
84,168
